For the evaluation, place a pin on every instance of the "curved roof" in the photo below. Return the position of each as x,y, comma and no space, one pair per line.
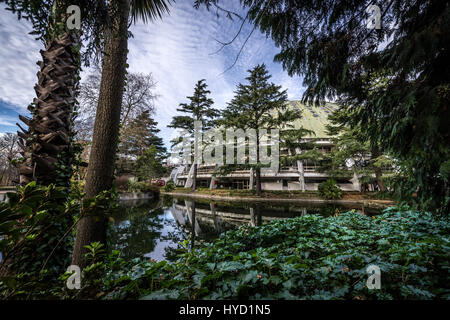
314,118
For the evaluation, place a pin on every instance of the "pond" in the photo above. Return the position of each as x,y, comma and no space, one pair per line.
154,229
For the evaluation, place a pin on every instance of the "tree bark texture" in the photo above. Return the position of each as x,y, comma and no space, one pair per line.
46,145
100,171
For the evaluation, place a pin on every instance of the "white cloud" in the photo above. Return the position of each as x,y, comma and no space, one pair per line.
19,53
8,120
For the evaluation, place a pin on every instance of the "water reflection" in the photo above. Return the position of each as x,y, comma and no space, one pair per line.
155,229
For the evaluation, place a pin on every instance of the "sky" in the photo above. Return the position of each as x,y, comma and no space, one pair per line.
178,50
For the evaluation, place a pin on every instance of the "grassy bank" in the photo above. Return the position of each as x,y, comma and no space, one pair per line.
294,194
372,200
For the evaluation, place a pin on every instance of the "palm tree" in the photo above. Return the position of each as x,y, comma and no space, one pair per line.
107,121
46,144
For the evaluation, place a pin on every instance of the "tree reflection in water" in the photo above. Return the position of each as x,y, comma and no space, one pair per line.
144,230
155,229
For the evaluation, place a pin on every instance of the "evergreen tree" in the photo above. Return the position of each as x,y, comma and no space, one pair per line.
353,150
140,134
149,164
260,104
136,138
198,109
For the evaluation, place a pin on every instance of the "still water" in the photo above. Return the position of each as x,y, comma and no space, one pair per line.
155,229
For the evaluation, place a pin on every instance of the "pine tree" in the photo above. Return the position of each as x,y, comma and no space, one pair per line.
351,143
136,138
149,165
198,109
140,134
260,104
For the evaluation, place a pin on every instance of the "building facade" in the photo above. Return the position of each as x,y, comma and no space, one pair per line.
302,175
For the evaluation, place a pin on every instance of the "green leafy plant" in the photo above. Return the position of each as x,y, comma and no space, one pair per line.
133,185
329,190
307,257
145,186
95,251
170,186
36,238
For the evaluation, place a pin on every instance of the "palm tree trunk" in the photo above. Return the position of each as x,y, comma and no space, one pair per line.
46,145
106,128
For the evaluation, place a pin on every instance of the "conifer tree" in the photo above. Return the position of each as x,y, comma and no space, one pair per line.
137,137
198,109
260,104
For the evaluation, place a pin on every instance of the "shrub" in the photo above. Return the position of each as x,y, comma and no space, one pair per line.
133,185
141,186
36,239
33,225
329,190
148,187
170,186
121,182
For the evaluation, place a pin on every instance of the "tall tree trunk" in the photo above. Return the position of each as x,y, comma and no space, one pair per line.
258,181
378,173
46,145
258,168
106,128
194,177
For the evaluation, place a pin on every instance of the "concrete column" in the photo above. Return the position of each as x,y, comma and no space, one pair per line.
212,184
255,216
217,226
190,179
250,183
304,212
355,182
190,208
252,217
301,172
